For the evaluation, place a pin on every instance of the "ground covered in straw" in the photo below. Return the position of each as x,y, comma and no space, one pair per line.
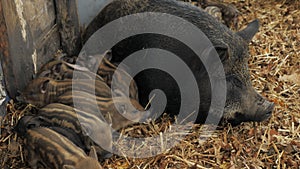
275,70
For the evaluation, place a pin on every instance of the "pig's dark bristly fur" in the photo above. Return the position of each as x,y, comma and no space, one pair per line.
243,103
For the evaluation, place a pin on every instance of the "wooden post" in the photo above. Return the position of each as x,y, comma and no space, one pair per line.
69,28
28,38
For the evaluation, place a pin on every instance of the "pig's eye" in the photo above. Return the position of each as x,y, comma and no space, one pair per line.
32,125
237,82
234,81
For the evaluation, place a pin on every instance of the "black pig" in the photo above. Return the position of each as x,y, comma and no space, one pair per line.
243,103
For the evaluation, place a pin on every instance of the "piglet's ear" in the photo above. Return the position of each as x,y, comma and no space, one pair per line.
248,33
93,153
44,86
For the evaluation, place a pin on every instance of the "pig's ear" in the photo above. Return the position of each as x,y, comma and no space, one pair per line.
44,86
248,33
223,52
93,153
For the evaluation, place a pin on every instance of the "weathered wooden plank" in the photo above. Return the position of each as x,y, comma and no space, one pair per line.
23,45
40,15
68,22
4,51
16,40
47,45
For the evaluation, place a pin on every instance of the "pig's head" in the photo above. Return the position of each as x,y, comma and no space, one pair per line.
39,92
243,103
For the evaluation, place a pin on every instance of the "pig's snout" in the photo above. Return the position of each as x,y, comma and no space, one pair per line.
264,110
252,107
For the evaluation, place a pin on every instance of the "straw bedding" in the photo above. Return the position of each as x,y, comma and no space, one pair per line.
275,72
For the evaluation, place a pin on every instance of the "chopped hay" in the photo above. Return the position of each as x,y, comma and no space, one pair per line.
275,72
